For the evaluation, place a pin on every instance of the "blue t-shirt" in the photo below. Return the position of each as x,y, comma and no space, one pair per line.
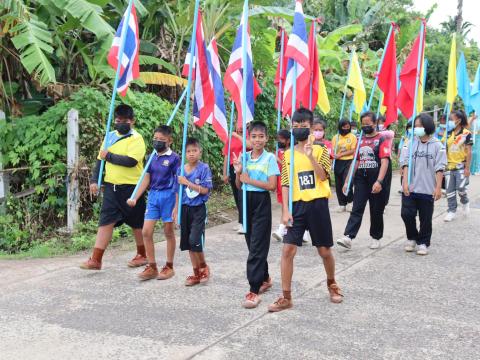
202,176
261,169
163,170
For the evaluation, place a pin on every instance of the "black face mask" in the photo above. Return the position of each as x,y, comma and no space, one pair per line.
344,131
301,134
368,129
159,146
282,145
122,128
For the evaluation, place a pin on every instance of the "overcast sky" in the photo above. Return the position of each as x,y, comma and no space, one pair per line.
471,13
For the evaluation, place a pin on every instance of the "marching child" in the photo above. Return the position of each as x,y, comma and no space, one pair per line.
428,162
258,178
319,131
161,178
310,208
198,184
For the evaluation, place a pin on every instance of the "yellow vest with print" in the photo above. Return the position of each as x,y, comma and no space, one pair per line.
345,143
457,148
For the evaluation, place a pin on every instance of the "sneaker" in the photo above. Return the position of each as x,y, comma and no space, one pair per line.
450,216
349,207
341,209
466,208
91,264
280,304
410,245
148,273
240,230
251,301
306,237
204,275
192,280
336,295
137,261
422,249
166,273
279,233
345,242
374,244
266,286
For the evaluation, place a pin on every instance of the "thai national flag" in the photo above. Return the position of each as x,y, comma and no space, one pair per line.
234,77
297,51
218,117
129,69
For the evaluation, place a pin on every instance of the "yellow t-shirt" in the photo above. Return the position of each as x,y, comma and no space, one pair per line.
306,185
132,146
345,143
457,148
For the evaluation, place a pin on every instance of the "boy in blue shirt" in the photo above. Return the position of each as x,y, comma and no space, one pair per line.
198,183
162,202
259,178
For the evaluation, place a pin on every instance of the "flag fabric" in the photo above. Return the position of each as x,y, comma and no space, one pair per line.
463,82
452,73
408,76
233,79
387,81
355,81
218,117
475,93
281,76
129,69
317,85
297,51
421,86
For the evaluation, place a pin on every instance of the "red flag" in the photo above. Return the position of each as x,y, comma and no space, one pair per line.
314,69
408,75
283,75
387,80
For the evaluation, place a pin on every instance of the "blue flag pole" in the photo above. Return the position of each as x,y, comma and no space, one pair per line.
175,110
193,43
292,141
419,64
244,110
230,130
121,50
280,87
144,172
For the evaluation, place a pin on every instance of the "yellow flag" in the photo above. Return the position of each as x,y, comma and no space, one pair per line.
421,88
452,73
383,108
355,81
322,102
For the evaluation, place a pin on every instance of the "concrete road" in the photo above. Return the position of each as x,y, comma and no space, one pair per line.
397,305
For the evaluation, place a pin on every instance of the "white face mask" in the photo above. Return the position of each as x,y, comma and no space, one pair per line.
419,131
381,127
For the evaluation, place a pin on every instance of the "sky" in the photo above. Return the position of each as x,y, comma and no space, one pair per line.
471,13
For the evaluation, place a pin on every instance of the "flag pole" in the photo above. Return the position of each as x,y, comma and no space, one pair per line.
230,131
414,114
179,102
352,169
244,110
311,73
193,43
292,140
280,87
123,38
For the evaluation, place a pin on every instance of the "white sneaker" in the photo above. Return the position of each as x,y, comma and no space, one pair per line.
340,209
450,216
410,245
279,233
466,208
240,230
306,237
345,242
349,207
374,244
422,249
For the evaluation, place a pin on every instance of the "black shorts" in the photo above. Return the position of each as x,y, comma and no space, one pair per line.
313,216
115,209
192,228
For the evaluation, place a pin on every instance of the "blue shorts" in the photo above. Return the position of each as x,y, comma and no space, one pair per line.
160,205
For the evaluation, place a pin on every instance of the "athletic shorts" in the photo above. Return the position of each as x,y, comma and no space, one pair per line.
160,205
192,227
115,209
313,216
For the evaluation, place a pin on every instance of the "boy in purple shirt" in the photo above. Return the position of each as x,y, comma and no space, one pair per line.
162,202
198,183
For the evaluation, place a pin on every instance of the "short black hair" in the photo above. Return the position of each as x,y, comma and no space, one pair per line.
124,111
443,117
284,134
460,114
258,125
369,114
344,122
353,124
427,123
302,115
164,130
409,125
191,141
321,122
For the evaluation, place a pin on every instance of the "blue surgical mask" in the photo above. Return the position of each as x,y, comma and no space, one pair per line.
419,131
451,125
354,131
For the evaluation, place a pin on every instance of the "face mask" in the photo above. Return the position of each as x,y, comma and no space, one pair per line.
301,134
122,128
354,132
381,127
282,145
346,131
159,146
419,131
451,125
442,126
319,134
367,129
